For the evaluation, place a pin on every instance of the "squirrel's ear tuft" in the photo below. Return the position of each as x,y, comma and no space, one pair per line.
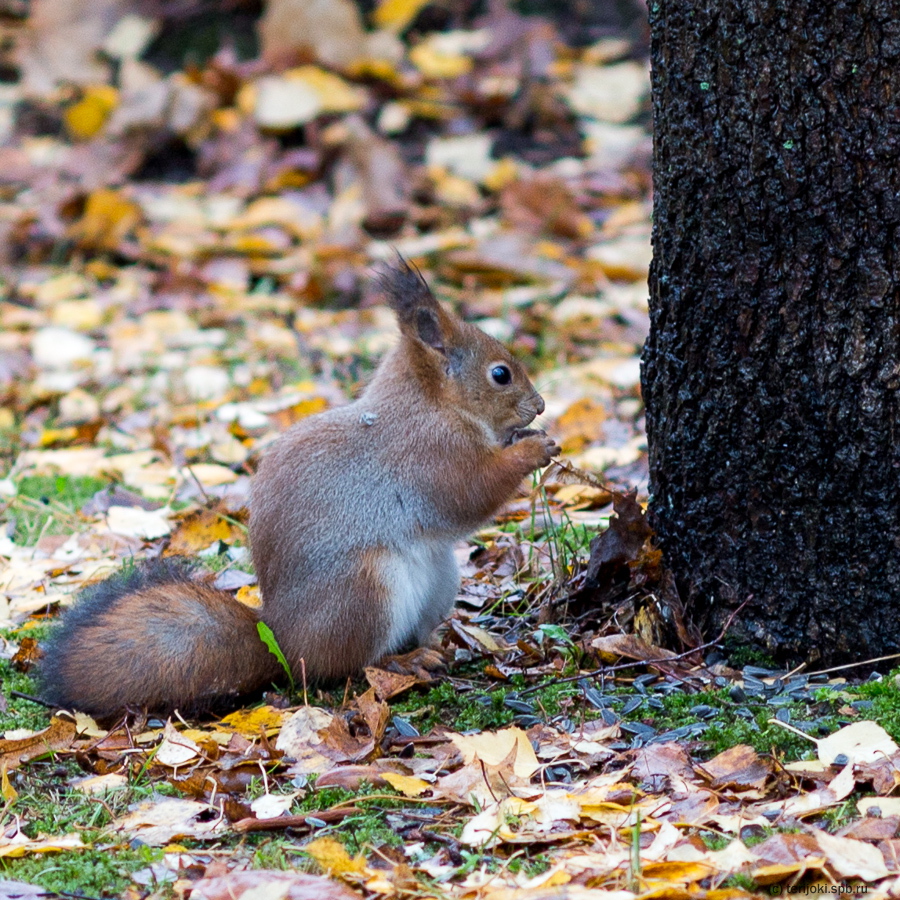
408,294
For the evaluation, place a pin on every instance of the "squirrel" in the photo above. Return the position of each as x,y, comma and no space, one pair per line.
354,514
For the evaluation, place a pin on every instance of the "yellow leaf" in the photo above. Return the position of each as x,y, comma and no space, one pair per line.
202,529
7,791
87,117
249,595
108,217
19,845
505,172
335,94
249,721
397,14
330,854
434,64
407,785
677,871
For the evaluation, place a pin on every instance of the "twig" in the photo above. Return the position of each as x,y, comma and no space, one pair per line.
603,670
865,662
242,826
33,699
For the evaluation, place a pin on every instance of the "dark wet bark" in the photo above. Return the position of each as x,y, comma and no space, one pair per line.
772,370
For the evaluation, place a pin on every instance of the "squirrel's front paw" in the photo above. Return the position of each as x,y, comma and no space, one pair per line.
422,662
539,448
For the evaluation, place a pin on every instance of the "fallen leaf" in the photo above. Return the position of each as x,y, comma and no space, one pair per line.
861,742
201,529
620,544
851,859
157,822
270,885
108,218
175,749
389,684
331,855
739,767
409,787
18,845
57,736
85,118
494,748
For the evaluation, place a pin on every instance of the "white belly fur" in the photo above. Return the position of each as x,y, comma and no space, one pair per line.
422,583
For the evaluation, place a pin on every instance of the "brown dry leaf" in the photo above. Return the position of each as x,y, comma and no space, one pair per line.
661,766
27,655
351,777
872,828
739,767
613,647
302,739
376,713
389,684
841,786
545,204
382,174
563,472
271,886
620,544
339,745
59,735
477,639
782,855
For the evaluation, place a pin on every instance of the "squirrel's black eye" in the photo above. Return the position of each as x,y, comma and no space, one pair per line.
501,374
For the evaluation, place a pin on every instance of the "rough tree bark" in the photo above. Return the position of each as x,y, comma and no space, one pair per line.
772,370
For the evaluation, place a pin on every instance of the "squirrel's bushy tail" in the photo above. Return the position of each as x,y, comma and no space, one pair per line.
153,638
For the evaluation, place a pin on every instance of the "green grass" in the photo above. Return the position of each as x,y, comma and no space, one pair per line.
481,710
49,504
47,805
90,873
367,829
21,713
884,696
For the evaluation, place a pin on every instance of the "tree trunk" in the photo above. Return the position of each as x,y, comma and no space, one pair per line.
772,369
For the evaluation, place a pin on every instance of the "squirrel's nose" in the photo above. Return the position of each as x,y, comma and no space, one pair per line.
538,404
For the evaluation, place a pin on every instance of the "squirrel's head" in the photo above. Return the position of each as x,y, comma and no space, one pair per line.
456,362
